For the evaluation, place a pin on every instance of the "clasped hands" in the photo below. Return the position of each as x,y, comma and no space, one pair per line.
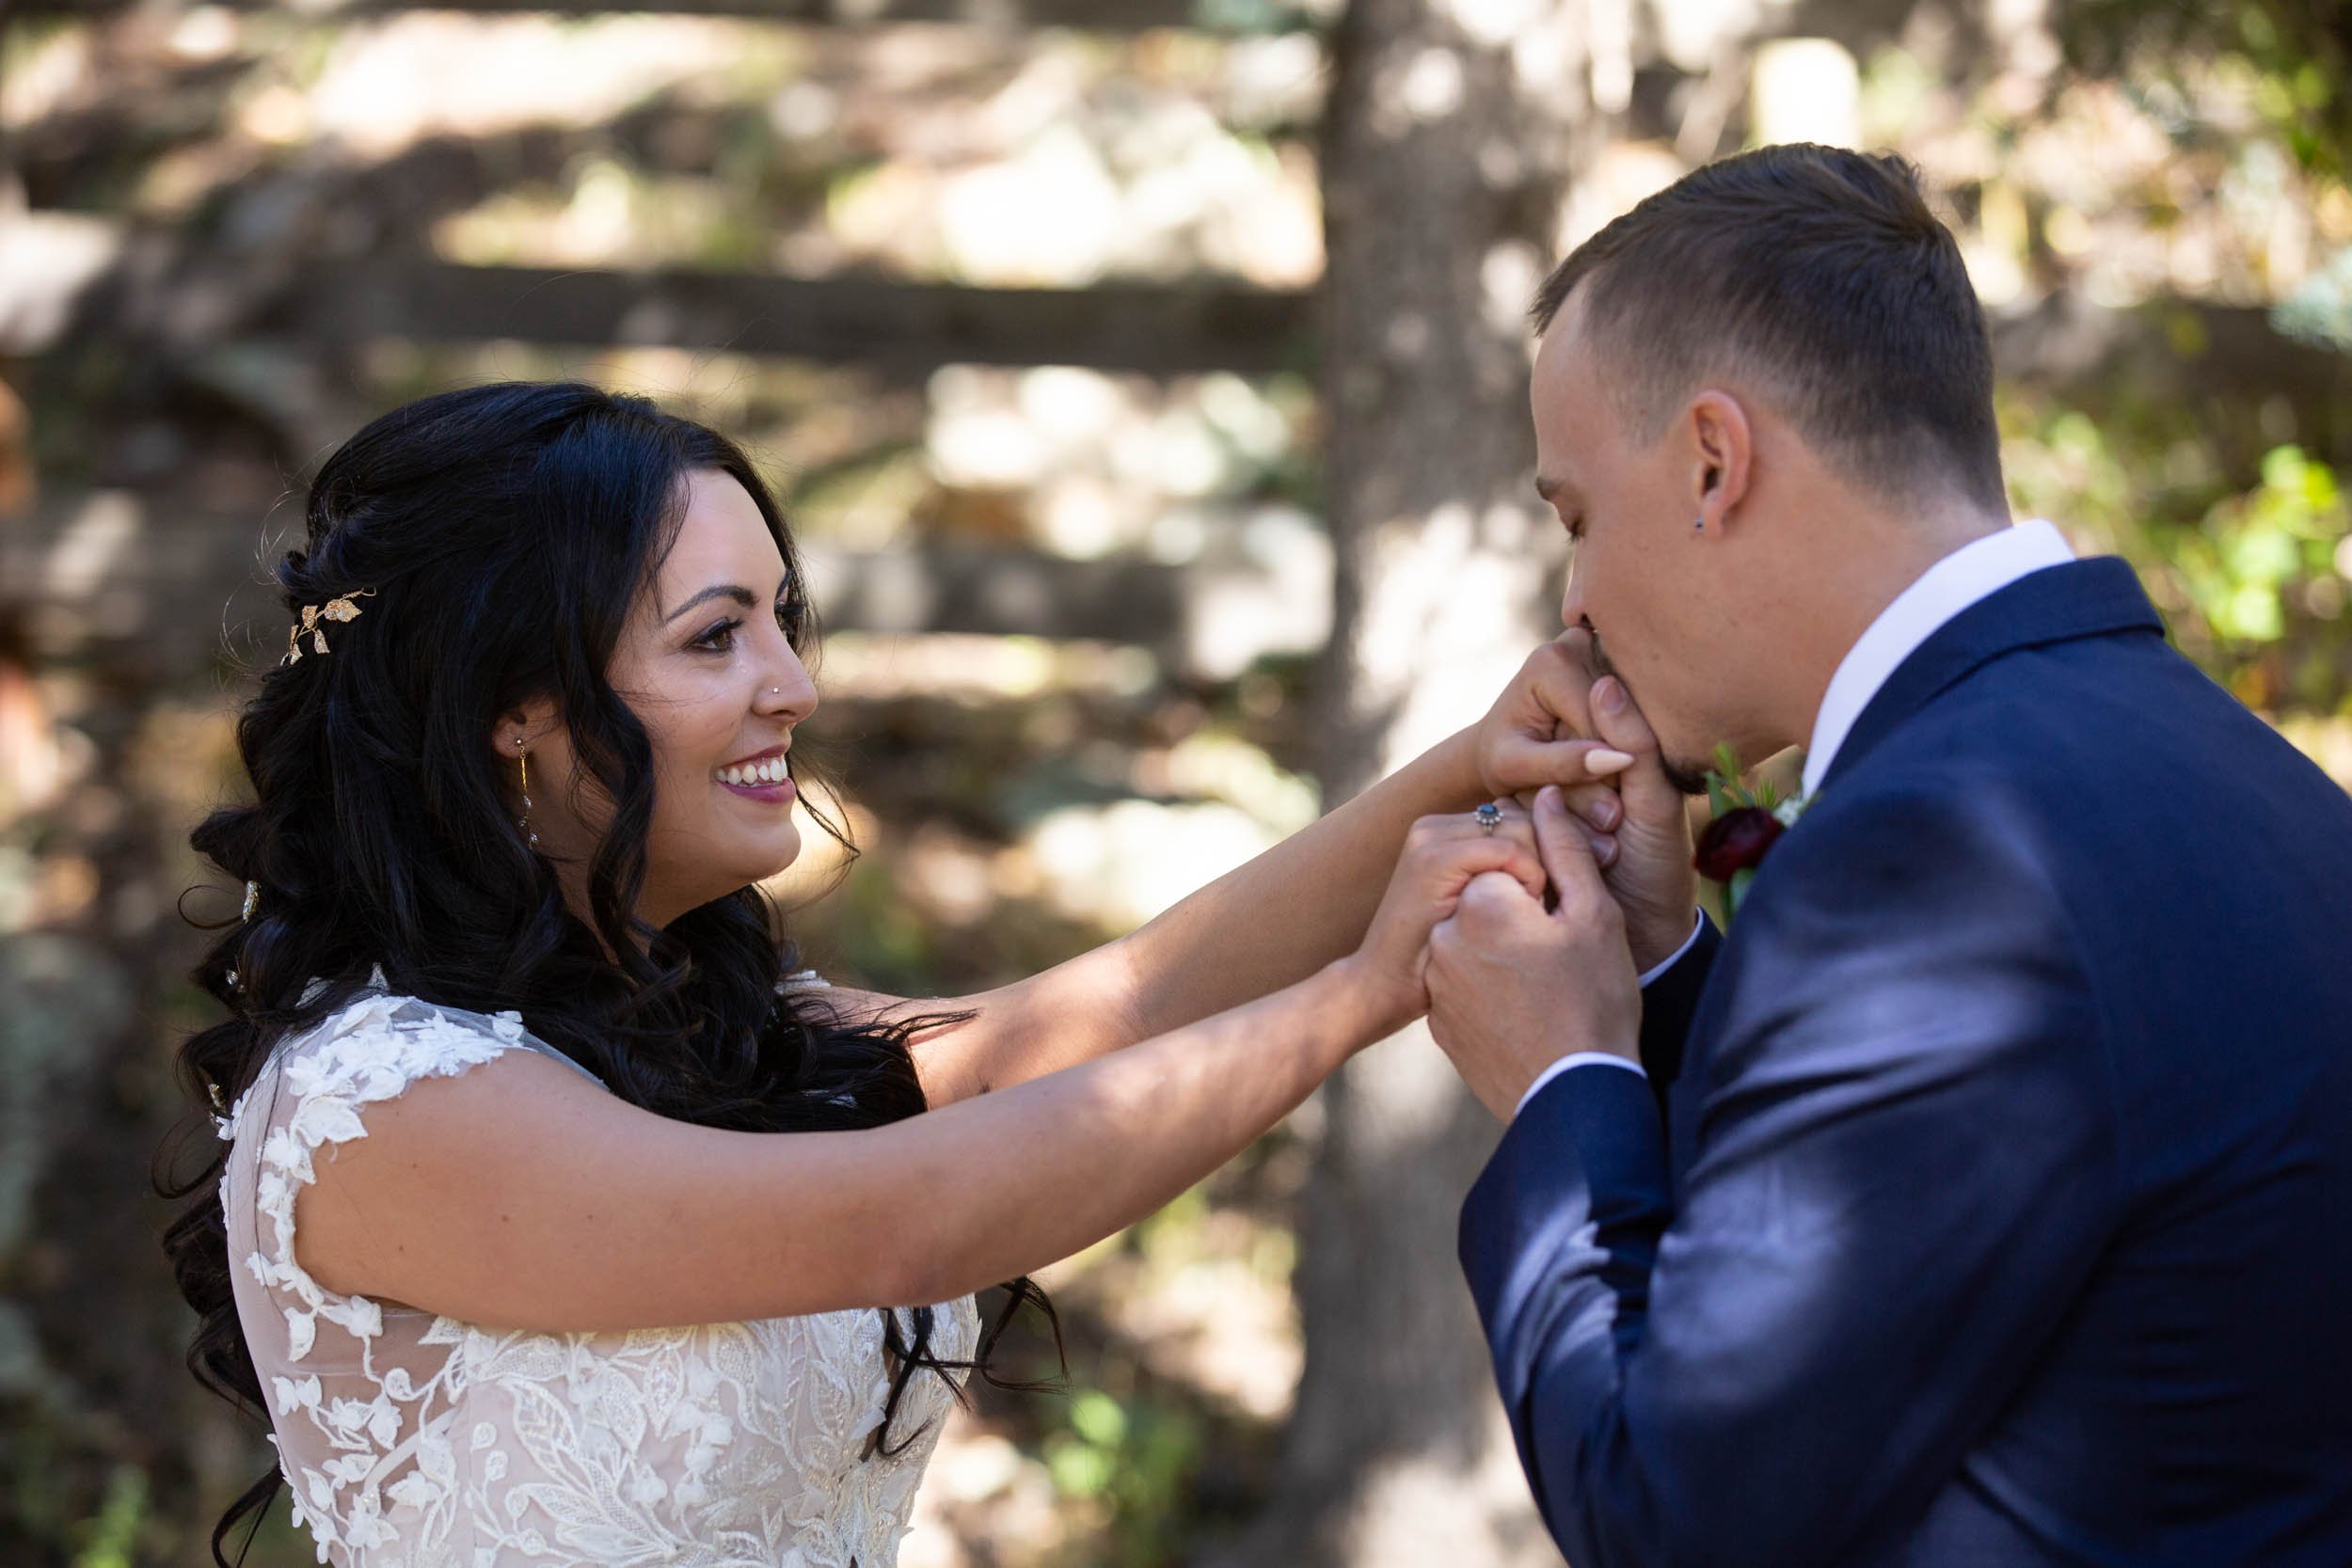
1523,942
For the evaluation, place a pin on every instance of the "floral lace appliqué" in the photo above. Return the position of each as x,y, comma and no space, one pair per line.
415,1441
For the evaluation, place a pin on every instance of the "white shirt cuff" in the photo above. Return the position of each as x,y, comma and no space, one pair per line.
1611,1058
1698,924
1575,1059
1582,1058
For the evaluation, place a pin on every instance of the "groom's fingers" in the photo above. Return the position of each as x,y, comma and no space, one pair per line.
1489,904
1568,857
1597,805
1521,859
1647,793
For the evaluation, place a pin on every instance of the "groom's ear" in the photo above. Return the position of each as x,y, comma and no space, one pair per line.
1721,447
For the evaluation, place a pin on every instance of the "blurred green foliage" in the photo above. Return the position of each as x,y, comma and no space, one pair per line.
2301,49
2252,576
1137,1458
110,1538
2249,550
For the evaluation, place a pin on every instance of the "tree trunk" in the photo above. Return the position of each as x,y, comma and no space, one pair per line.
1447,153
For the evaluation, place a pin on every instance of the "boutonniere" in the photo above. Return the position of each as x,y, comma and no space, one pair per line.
1748,821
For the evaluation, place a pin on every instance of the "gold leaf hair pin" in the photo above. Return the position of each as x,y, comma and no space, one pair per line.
344,609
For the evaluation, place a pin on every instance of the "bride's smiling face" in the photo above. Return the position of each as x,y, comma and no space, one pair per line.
708,665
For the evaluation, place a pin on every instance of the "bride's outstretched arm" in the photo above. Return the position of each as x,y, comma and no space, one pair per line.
520,1195
1282,915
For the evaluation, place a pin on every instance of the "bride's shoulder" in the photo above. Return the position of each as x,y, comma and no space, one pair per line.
811,994
380,1042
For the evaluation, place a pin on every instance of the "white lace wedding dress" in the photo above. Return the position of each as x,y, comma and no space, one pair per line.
416,1441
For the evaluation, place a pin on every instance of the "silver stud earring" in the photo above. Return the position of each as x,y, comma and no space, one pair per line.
1699,522
522,760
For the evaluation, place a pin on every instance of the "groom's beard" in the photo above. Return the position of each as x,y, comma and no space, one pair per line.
1687,777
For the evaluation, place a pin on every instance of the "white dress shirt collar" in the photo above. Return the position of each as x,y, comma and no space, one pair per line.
1973,572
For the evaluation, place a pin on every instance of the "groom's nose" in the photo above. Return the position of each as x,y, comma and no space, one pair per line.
1572,599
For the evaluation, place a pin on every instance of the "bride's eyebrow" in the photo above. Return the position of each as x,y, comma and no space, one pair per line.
724,591
736,591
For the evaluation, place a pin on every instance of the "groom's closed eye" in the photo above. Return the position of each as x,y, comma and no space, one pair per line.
1564,503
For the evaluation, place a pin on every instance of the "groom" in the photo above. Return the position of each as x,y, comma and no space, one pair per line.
1989,1198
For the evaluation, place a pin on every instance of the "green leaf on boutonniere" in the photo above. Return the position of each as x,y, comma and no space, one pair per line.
1721,779
1748,820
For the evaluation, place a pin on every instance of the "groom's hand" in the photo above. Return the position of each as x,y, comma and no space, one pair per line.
1442,855
1557,724
1513,987
1651,876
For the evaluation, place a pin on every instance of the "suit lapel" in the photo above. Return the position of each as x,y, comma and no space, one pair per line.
2088,599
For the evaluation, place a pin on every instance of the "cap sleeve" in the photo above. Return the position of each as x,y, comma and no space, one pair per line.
359,1391
313,1097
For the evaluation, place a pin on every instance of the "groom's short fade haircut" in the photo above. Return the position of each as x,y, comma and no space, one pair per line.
1818,272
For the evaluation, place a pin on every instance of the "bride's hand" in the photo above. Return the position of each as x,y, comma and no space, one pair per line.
1515,986
1644,850
1442,856
1539,731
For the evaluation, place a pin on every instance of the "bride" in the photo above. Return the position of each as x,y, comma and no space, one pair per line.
558,1222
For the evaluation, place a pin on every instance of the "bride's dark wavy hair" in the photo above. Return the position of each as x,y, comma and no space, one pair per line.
506,530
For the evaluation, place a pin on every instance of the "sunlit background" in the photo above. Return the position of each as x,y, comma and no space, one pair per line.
1017,302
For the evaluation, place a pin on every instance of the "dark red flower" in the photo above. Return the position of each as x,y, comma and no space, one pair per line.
1736,842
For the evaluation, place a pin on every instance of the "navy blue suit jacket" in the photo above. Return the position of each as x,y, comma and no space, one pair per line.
2000,1208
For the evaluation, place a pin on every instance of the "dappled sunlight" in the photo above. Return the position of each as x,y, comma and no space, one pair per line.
2130,181
1108,464
44,75
983,1500
385,85
1431,632
1807,89
1077,615
1122,863
1622,174
2326,741
47,260
610,216
1200,1360
1048,169
981,668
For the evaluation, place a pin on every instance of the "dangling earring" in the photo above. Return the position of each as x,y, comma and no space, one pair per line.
522,760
